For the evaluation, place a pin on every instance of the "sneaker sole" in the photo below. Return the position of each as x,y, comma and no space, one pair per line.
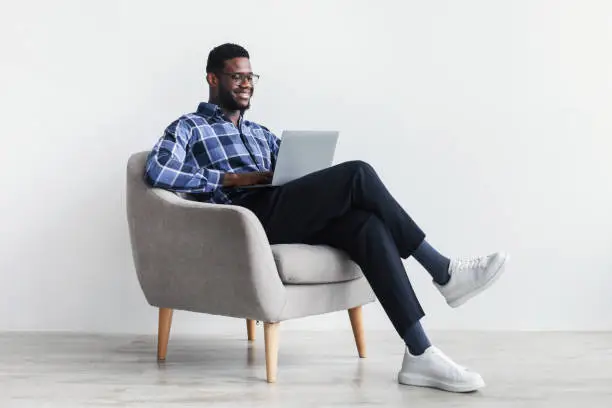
421,381
461,300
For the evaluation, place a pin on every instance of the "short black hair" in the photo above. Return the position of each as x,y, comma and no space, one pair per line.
222,53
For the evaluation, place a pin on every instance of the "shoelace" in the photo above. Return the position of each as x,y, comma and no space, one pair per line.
478,262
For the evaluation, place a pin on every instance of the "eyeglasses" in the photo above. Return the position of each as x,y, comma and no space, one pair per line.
239,78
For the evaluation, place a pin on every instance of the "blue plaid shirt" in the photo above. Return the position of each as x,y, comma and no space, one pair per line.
197,149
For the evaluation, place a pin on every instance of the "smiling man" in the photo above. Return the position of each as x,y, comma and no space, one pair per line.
214,151
231,85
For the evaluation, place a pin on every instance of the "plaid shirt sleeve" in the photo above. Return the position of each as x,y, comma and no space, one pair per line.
274,143
167,167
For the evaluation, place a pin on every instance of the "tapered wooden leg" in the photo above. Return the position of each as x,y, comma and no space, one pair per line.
356,317
251,329
163,332
271,340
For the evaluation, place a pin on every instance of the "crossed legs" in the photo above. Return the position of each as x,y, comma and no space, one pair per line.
348,207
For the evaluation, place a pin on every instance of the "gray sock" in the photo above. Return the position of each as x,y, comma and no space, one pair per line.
434,262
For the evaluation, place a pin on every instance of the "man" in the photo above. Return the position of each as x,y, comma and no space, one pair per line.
213,152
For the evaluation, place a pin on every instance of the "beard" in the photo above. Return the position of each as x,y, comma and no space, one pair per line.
226,97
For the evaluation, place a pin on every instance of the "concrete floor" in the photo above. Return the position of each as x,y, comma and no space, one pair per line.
315,369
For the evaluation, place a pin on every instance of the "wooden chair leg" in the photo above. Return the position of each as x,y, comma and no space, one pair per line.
356,316
251,329
271,340
163,332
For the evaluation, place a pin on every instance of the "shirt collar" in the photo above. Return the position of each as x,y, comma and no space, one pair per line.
209,109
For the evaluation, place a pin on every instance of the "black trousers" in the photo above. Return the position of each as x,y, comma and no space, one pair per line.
348,207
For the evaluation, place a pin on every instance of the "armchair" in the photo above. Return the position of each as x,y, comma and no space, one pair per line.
216,259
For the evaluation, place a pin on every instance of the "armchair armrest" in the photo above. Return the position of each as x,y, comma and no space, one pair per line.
202,257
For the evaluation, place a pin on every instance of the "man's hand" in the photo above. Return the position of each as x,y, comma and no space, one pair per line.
247,179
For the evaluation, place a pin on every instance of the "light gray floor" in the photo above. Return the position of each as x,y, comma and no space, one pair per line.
315,369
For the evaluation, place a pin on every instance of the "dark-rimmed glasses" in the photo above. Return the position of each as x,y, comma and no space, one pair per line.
238,78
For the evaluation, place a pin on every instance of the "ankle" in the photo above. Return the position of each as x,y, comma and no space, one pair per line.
443,279
416,340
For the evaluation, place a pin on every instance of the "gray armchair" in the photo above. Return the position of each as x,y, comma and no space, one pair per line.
216,259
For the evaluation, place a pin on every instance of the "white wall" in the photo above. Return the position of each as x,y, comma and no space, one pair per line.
489,120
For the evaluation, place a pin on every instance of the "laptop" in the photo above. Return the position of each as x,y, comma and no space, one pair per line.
302,152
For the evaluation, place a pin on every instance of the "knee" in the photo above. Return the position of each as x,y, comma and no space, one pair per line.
359,166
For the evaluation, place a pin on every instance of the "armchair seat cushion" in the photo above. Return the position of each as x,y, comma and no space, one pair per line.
301,264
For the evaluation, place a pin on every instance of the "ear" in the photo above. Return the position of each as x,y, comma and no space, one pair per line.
212,79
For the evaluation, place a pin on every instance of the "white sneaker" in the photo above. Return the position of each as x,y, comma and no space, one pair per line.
435,369
469,277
